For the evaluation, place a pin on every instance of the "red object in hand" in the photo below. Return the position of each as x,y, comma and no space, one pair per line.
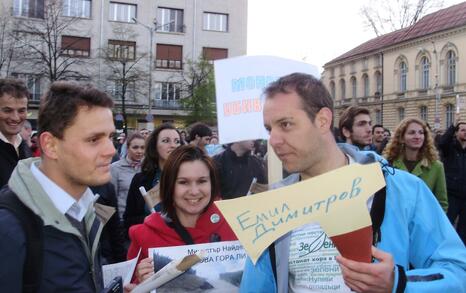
355,245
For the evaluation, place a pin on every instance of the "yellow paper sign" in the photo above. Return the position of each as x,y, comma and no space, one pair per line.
337,200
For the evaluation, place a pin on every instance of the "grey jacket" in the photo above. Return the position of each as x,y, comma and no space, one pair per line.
122,174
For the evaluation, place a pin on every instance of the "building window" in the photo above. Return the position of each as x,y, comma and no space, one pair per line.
423,113
378,60
332,89
116,90
121,50
365,63
169,56
403,76
342,89
28,8
451,67
401,114
167,91
75,46
122,12
425,67
171,20
33,82
214,53
378,82
77,8
354,87
449,115
215,22
378,117
365,80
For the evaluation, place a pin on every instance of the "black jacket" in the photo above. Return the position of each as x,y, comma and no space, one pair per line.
112,240
136,209
236,173
454,161
9,159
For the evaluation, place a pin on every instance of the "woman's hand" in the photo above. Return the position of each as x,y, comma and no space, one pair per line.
145,269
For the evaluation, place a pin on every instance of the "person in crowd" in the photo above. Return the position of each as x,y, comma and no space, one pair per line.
199,135
124,170
214,147
75,127
183,137
112,240
26,132
416,248
35,149
412,149
355,127
188,188
453,147
145,133
378,140
13,112
387,135
121,145
237,168
162,141
260,148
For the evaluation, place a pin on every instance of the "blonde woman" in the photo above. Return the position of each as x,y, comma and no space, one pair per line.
412,149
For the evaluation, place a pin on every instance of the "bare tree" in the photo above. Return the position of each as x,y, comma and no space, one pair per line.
384,16
198,91
7,41
124,67
42,47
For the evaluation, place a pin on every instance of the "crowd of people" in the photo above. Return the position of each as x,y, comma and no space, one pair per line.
73,195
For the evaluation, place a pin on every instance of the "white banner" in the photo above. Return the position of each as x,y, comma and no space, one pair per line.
239,83
220,270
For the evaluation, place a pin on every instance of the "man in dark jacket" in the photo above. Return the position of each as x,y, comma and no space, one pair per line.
13,113
75,130
237,169
453,147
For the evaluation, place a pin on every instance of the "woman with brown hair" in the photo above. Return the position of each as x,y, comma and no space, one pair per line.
188,187
412,149
161,142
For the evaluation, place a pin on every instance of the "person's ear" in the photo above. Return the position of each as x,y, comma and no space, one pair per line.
49,145
323,120
346,132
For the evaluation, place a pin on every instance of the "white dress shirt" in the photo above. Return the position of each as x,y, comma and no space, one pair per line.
63,201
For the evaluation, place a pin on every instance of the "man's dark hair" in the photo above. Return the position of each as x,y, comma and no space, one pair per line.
199,129
347,118
313,94
60,105
457,127
13,87
377,126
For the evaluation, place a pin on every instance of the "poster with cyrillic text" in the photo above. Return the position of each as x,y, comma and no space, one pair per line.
220,270
239,83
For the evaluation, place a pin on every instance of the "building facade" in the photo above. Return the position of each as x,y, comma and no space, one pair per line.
155,39
418,71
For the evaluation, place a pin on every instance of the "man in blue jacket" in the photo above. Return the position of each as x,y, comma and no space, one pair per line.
417,251
75,134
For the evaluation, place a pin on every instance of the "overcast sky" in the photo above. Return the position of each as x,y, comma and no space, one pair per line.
310,30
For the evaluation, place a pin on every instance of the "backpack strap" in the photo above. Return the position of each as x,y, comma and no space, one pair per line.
32,226
377,214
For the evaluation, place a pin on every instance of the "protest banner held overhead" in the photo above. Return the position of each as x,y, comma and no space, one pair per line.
239,83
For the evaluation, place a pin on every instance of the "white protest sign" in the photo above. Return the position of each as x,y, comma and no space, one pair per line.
220,270
123,269
239,83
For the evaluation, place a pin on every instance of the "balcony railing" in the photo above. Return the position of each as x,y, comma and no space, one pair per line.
168,104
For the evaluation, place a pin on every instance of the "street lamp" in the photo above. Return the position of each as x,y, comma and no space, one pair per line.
151,31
